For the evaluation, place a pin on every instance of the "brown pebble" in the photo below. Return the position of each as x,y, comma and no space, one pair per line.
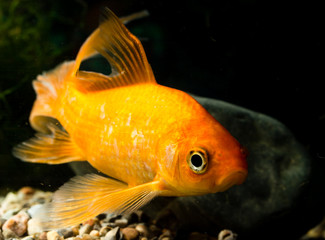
75,231
130,233
90,222
17,223
53,235
43,236
27,191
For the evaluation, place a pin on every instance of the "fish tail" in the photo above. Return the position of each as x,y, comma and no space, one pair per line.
47,87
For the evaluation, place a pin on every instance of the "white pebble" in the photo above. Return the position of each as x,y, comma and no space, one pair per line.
53,235
34,226
34,209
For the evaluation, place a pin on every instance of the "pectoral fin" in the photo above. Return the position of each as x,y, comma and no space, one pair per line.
85,197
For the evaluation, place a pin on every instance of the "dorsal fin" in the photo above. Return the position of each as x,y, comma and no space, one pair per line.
123,51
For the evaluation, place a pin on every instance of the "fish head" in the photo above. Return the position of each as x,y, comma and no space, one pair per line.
206,159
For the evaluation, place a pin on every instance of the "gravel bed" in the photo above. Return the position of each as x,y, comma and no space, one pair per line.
16,222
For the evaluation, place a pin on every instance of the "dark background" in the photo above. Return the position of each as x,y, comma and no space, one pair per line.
263,55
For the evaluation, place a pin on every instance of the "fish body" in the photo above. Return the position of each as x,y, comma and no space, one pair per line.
126,127
151,140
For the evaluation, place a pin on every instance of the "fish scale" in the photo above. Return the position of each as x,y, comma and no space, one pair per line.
155,100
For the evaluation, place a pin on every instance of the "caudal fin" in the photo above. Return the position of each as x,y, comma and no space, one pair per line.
47,87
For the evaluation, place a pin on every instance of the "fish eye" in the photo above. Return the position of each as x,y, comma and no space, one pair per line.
197,160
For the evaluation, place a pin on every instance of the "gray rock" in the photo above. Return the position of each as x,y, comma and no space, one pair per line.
279,194
274,199
66,232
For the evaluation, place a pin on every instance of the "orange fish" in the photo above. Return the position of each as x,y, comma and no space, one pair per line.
150,140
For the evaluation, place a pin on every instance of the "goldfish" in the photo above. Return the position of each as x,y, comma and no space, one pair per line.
146,139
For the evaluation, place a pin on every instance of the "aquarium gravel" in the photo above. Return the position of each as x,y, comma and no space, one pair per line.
18,208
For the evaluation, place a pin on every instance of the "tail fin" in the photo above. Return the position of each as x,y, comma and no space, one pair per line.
47,87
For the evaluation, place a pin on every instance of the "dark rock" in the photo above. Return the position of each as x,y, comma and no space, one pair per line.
274,198
280,192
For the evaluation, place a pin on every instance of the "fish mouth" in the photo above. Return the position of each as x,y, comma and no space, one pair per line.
234,178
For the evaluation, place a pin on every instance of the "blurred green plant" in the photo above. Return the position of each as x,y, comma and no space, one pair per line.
32,35
35,36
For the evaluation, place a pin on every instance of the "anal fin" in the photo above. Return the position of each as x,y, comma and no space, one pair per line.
53,146
85,197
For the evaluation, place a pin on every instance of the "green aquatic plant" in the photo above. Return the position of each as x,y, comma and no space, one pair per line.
34,37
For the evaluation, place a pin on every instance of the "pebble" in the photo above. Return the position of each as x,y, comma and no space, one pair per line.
65,232
34,209
85,229
114,234
227,235
142,229
75,231
87,237
8,233
104,230
22,226
92,222
2,221
33,226
17,224
130,233
43,236
26,192
28,238
94,233
166,234
123,222
53,235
